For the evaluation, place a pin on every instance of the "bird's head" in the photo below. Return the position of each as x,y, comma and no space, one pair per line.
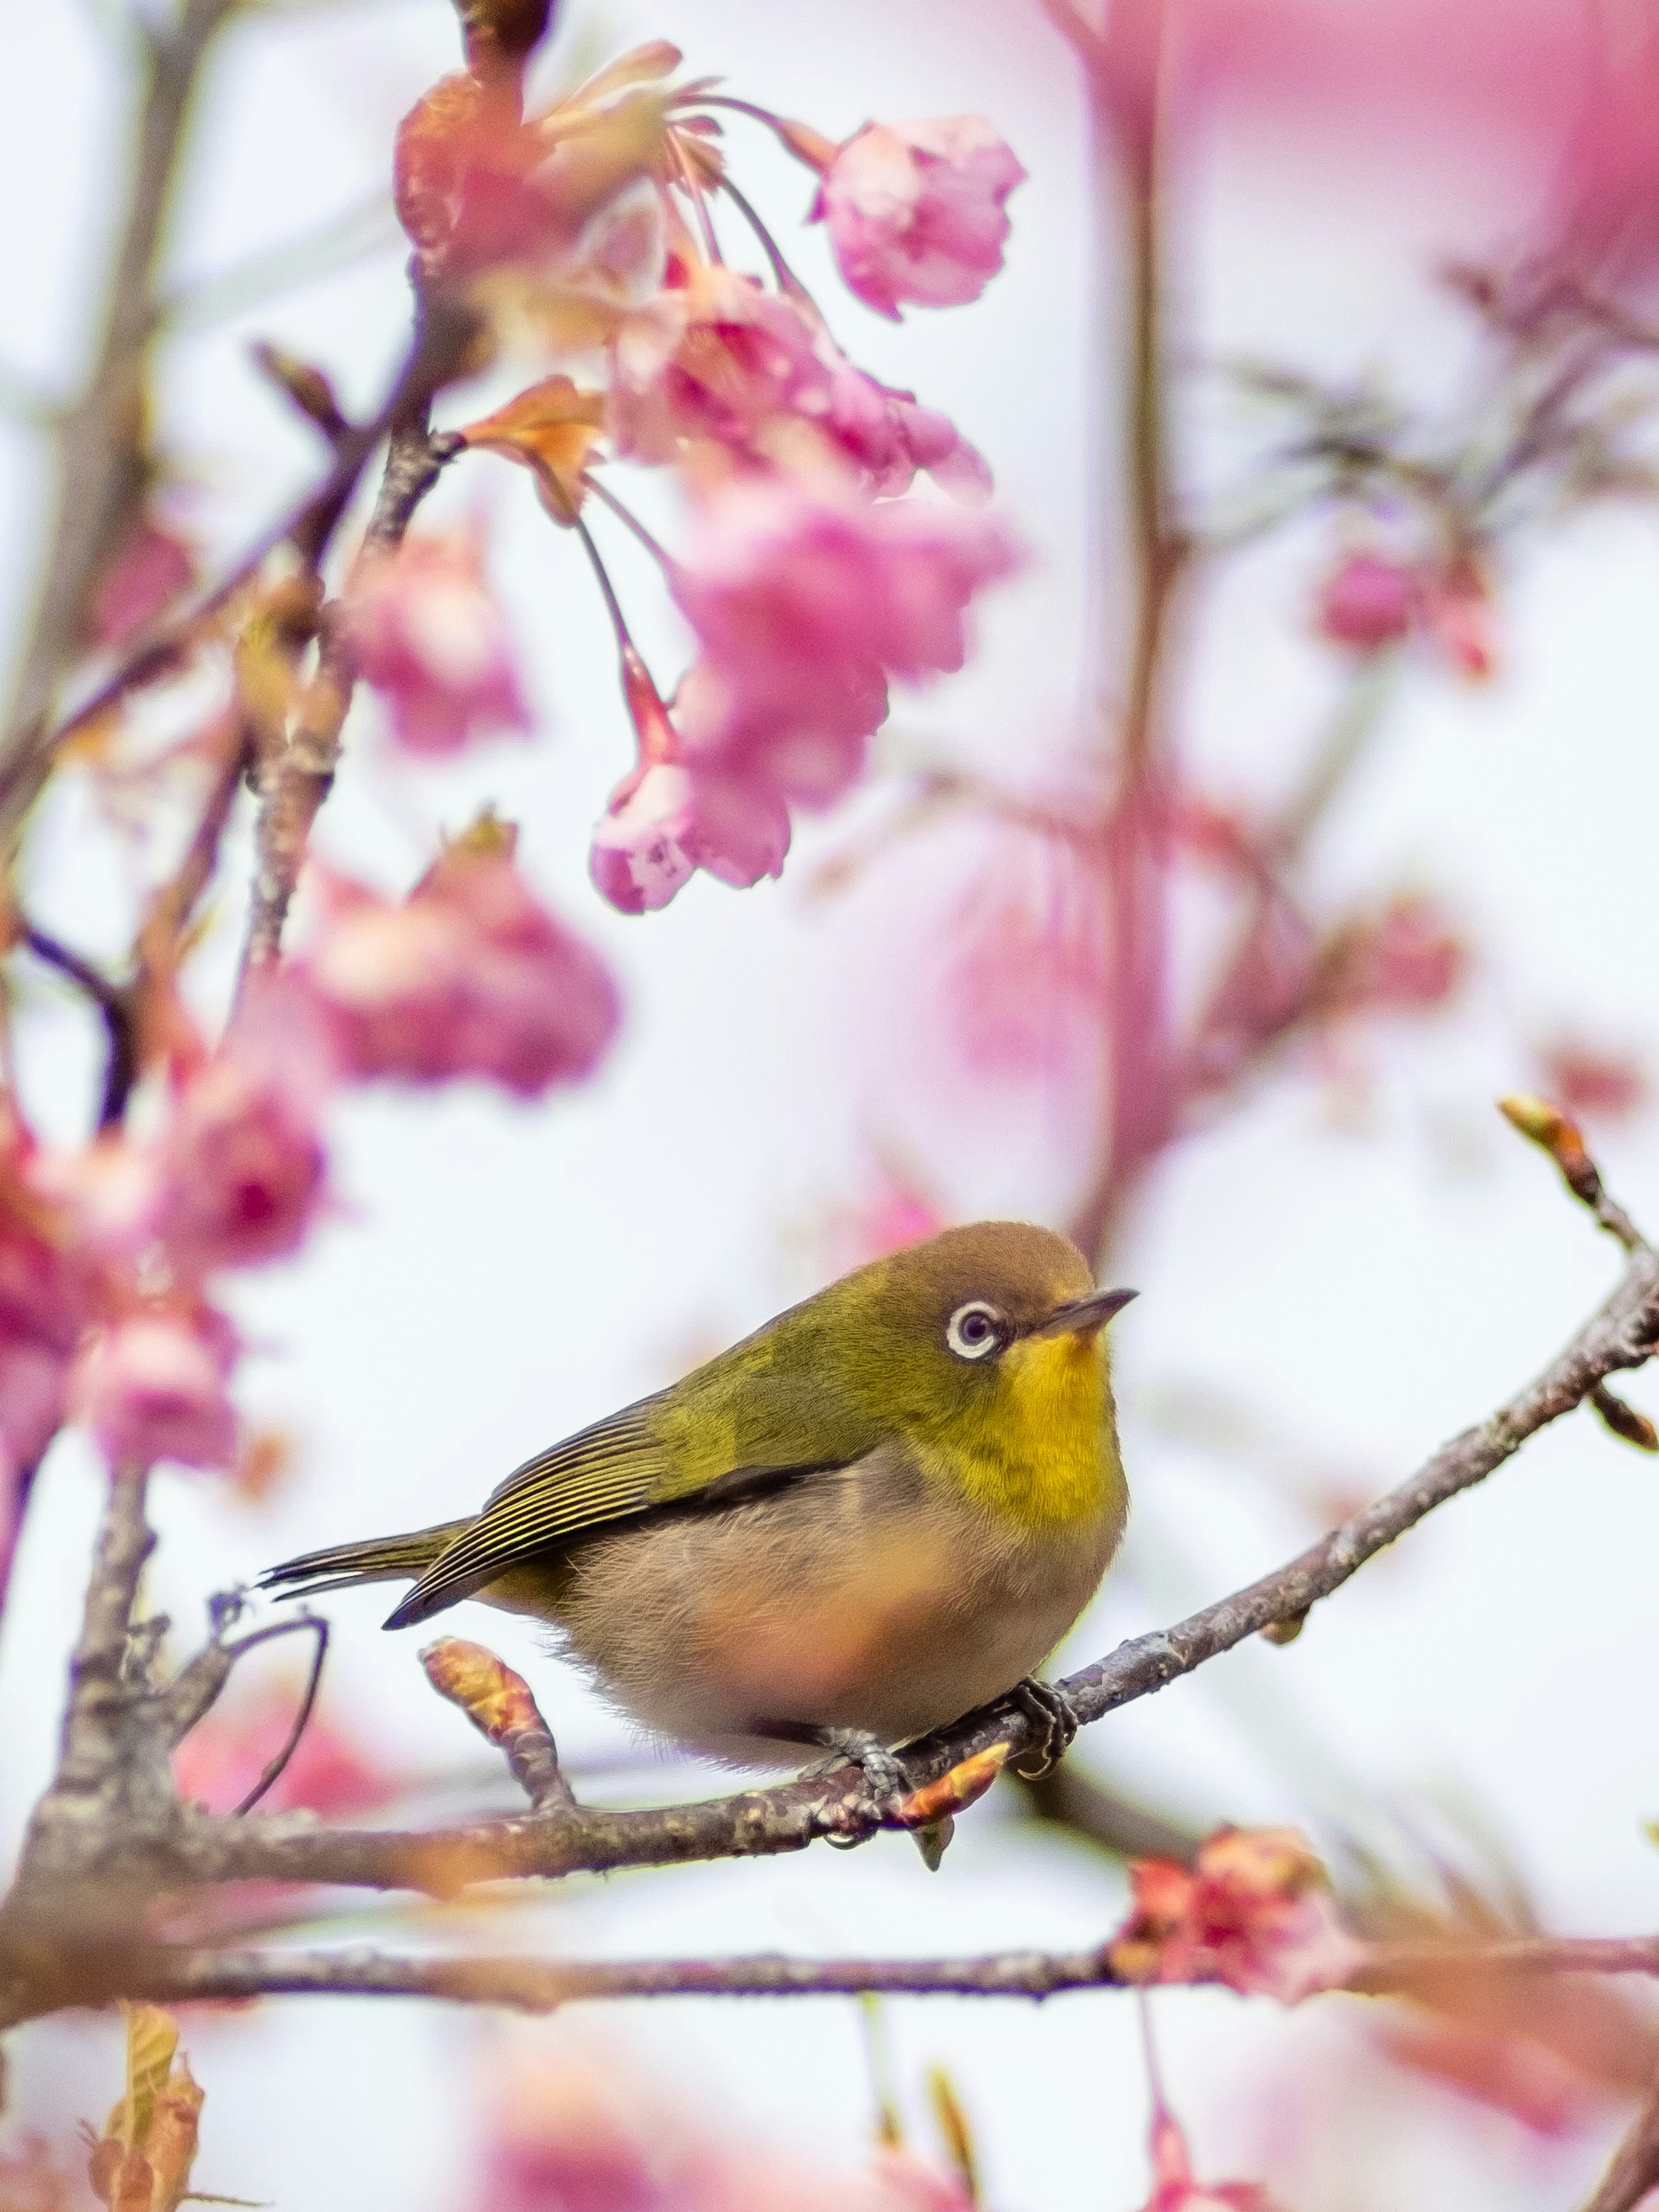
982,1336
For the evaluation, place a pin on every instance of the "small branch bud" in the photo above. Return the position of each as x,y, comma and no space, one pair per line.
1624,1420
953,1792
305,385
501,1705
1285,1631
1556,1134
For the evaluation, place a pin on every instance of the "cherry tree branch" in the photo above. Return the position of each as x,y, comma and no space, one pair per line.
188,1975
101,462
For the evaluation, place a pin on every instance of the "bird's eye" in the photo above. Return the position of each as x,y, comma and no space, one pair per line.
974,1329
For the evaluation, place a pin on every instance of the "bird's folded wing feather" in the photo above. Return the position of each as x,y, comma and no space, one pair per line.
669,1449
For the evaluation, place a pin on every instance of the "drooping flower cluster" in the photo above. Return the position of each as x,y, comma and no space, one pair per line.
814,574
109,1256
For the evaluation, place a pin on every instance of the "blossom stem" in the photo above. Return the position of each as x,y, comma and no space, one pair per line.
626,515
787,282
694,191
607,590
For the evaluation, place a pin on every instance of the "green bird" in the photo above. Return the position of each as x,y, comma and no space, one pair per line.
880,1511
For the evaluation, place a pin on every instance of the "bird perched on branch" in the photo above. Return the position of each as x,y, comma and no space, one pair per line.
881,1510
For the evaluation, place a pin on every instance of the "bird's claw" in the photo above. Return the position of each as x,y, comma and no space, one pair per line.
1049,1711
882,1776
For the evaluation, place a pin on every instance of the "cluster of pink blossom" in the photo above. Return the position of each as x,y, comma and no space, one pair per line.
1255,1910
814,574
569,2138
1369,601
107,1256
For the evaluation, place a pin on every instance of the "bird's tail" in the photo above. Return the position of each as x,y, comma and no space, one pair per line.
343,1566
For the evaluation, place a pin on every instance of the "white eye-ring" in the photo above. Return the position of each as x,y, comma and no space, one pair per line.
974,1329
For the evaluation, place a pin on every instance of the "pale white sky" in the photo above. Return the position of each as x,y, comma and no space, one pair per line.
495,1276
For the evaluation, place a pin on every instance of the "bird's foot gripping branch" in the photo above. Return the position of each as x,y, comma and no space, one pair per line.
112,1849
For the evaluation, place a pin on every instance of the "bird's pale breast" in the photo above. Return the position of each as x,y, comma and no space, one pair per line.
869,1597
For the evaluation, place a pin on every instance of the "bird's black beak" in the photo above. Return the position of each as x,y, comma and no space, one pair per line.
1078,1314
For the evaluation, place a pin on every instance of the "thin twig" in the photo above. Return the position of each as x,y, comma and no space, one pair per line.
307,1704
114,1002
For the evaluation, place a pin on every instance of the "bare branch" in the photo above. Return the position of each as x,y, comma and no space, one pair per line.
540,1985
294,783
100,461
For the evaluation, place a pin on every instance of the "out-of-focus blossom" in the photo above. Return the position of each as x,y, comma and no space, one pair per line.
812,752
719,357
889,436
805,597
468,975
46,1291
1458,614
1023,989
915,210
1367,602
1174,2189
894,1216
1597,1081
152,1385
1255,1910
152,567
1409,958
431,635
716,357
476,188
241,1159
331,1773
30,2179
1507,2072
571,2138
669,820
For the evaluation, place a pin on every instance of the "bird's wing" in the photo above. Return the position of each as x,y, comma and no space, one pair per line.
620,1467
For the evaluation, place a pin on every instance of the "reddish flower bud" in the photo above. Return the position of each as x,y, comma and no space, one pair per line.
152,565
915,210
1367,603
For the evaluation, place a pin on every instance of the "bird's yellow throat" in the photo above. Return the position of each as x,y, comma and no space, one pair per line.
1041,1452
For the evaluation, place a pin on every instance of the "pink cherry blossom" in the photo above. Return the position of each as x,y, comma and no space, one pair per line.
915,210
717,357
431,635
669,820
810,750
1367,602
470,976
152,1386
243,1161
889,437
1255,1910
805,597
